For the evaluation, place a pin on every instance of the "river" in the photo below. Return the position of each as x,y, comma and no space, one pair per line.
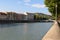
24,31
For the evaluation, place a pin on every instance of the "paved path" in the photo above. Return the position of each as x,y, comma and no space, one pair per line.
53,33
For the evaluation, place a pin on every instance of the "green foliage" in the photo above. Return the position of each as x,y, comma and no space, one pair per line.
36,17
51,4
40,17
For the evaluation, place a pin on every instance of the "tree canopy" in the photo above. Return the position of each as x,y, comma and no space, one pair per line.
51,4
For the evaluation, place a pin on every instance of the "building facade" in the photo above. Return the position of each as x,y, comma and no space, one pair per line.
20,17
3,16
11,16
30,16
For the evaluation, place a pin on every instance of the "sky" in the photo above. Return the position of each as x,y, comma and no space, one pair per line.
24,6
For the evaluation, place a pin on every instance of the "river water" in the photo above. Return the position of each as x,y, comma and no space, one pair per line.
24,31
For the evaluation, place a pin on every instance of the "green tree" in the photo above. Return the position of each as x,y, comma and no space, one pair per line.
51,4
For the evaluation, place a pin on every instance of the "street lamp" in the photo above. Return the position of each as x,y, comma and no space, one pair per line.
56,12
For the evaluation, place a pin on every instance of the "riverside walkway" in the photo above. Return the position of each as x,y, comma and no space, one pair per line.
53,33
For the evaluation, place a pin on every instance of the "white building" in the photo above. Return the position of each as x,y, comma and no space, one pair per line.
30,16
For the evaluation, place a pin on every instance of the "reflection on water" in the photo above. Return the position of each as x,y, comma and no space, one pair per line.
23,31
25,28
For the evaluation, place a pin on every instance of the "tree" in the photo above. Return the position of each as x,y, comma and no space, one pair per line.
51,4
36,17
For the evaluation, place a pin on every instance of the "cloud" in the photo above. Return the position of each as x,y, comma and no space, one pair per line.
38,5
27,1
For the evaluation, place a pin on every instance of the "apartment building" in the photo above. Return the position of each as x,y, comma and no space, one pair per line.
30,16
11,15
20,16
3,16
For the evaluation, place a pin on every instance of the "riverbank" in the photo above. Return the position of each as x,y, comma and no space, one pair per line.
53,33
22,21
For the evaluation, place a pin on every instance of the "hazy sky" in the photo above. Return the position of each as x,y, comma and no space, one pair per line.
23,6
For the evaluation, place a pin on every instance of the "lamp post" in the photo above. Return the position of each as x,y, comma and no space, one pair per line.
56,12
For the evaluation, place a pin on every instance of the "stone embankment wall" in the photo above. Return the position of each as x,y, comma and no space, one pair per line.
53,33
